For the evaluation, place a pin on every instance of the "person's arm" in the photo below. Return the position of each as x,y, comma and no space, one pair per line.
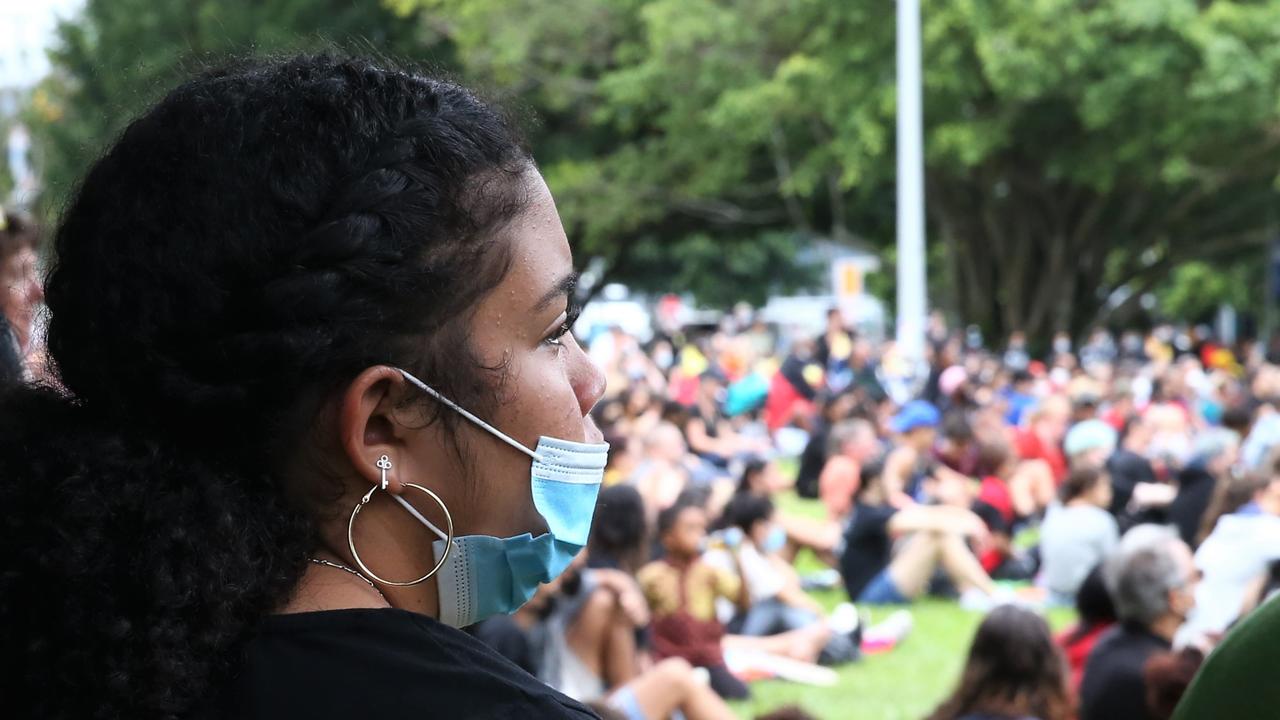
733,586
951,487
896,466
937,518
630,598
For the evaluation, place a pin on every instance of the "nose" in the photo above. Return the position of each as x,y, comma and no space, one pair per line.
587,380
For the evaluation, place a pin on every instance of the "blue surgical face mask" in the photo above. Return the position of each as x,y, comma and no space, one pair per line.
484,575
775,540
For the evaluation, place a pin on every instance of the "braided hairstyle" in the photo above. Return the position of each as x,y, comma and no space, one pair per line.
247,247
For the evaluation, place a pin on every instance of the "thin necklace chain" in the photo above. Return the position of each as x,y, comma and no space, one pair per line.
344,568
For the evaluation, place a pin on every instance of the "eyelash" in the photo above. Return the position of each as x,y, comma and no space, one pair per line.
571,317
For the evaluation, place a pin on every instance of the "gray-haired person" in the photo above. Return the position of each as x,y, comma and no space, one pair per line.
1214,452
1152,579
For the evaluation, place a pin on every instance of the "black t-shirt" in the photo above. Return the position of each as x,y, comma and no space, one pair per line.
364,663
1195,491
1127,469
1113,685
867,546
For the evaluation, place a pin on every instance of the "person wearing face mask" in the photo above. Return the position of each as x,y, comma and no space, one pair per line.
317,407
777,602
1152,581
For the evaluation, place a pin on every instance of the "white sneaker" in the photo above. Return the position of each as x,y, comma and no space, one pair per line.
844,619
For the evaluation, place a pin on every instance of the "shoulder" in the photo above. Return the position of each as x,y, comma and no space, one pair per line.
402,661
652,571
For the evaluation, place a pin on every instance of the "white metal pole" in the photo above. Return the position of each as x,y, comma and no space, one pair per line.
911,271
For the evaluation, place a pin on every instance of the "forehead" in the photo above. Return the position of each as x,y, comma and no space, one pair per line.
540,252
691,515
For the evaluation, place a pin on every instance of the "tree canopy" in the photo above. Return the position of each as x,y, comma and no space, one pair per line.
1077,151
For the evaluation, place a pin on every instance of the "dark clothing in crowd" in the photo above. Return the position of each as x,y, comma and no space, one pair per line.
812,460
1114,686
1195,492
867,546
398,660
1127,469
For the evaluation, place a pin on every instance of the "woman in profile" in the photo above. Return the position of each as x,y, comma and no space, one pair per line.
317,406
1014,672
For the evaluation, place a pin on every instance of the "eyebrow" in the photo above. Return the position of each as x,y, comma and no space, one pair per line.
563,287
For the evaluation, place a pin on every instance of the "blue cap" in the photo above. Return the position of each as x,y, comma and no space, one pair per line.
915,414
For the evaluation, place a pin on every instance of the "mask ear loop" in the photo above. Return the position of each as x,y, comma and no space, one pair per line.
464,413
384,464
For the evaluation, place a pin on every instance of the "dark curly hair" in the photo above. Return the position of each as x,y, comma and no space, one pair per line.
1014,670
247,247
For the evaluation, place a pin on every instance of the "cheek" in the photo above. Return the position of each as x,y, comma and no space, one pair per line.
540,398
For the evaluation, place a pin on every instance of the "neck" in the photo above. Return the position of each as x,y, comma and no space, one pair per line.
1166,626
678,559
392,544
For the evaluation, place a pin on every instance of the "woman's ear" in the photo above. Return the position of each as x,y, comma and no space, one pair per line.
367,424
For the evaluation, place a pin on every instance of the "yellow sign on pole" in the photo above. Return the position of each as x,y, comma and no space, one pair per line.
847,278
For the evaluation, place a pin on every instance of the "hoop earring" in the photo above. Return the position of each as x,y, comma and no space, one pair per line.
384,464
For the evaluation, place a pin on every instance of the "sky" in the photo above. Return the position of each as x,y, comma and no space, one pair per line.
26,29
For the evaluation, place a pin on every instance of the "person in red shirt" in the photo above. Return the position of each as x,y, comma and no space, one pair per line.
1041,439
995,505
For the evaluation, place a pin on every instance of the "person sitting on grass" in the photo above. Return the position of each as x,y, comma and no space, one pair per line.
911,467
682,589
996,506
931,537
1014,672
778,604
764,479
1078,534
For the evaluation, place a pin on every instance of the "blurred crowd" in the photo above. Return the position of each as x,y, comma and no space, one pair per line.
1131,478
754,471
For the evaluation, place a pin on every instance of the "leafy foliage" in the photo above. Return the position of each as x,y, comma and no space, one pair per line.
1074,147
118,56
1077,151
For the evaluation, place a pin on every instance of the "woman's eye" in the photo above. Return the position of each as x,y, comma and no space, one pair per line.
565,327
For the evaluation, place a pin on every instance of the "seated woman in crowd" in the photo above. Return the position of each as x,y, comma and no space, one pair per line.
777,602
928,537
1078,534
764,478
1014,672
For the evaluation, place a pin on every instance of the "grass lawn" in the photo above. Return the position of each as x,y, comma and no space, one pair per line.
905,683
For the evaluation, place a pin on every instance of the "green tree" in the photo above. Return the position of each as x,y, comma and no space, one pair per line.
117,56
1076,150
